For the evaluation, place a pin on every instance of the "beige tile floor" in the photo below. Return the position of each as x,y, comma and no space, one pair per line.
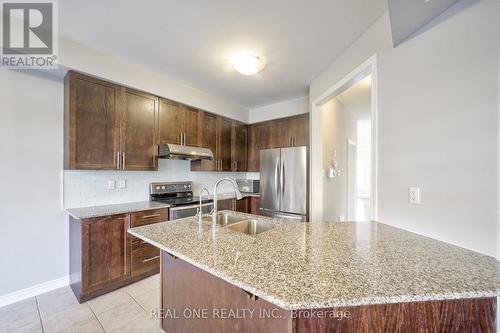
125,310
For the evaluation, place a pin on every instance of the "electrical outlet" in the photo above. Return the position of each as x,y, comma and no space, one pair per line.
341,218
111,184
414,195
122,183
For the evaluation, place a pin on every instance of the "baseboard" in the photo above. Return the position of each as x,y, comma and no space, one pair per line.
35,290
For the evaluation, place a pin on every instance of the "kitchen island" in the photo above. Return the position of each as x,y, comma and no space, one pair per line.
319,277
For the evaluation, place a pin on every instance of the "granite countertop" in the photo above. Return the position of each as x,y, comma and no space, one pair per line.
317,265
130,207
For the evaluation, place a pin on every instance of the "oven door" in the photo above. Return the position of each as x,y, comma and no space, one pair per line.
180,212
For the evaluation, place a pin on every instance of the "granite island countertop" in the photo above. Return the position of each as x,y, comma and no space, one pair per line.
123,208
319,265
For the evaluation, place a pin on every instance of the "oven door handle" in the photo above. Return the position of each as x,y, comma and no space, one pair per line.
190,206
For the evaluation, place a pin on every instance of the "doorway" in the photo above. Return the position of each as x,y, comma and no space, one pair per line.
343,143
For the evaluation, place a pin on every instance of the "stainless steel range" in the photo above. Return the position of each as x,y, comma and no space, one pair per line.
179,195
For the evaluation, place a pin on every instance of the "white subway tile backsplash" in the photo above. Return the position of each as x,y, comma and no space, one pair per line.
84,188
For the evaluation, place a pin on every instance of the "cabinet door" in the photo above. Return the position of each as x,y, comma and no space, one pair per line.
259,137
255,205
139,131
239,147
300,130
208,140
92,115
225,143
105,251
225,204
171,121
282,133
243,205
192,125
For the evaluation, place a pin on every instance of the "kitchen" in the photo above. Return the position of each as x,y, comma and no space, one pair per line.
156,191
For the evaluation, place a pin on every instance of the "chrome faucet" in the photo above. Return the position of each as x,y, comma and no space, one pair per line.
236,191
200,210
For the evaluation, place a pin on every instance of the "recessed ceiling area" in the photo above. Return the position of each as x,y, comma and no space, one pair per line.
193,42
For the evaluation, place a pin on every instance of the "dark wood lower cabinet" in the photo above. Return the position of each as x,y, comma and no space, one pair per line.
186,291
242,205
104,257
255,205
461,315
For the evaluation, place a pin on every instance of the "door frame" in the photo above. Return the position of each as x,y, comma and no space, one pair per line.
369,67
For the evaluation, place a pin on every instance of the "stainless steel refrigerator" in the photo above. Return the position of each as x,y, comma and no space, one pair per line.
284,183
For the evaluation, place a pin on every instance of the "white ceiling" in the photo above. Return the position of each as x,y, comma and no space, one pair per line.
193,41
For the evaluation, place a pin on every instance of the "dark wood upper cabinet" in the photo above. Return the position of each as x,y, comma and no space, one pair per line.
179,124
239,146
92,116
259,137
105,251
300,130
224,147
170,122
108,126
209,139
191,127
282,133
291,132
139,131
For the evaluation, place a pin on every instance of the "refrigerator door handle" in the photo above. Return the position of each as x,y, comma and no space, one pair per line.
277,179
283,180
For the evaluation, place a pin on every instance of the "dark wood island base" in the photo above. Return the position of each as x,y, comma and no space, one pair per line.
193,300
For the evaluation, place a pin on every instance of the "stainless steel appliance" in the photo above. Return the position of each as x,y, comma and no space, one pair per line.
181,152
179,196
248,185
284,183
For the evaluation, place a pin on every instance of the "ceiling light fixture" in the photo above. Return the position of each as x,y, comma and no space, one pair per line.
249,64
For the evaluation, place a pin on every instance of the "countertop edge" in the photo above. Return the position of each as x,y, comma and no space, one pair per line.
327,304
75,215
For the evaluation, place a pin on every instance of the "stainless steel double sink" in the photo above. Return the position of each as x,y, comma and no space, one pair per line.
241,224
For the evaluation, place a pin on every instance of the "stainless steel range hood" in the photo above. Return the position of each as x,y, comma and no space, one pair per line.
178,152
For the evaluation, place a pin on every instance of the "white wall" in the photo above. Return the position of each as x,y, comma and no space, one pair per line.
34,235
278,110
438,99
335,134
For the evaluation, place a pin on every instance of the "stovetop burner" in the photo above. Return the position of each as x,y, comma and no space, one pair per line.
174,194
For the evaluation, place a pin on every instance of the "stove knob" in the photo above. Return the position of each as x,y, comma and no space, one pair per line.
185,186
163,187
157,187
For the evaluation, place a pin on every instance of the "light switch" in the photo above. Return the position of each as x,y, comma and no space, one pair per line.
414,195
122,183
111,184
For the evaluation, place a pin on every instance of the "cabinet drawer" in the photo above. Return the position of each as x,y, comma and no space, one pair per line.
145,258
148,217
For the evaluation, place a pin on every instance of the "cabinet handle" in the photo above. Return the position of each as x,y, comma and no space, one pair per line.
118,160
180,138
123,160
150,216
185,139
150,259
